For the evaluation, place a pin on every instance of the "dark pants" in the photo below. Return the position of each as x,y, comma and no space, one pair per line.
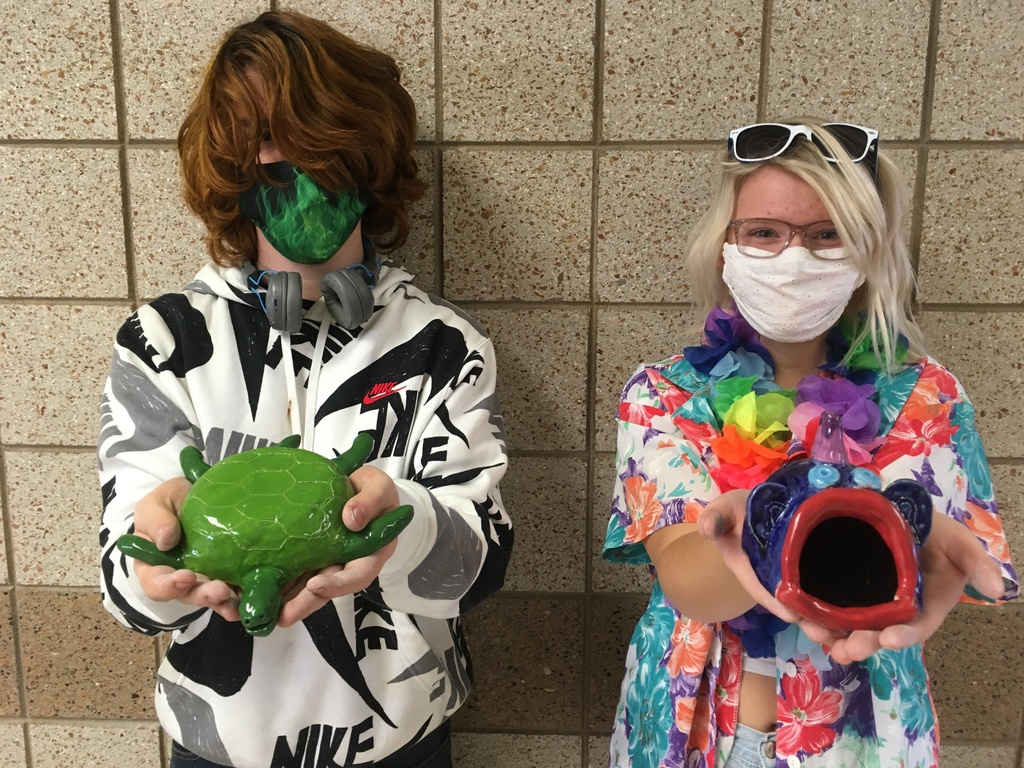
432,751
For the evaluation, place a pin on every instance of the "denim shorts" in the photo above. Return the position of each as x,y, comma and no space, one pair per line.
751,749
432,751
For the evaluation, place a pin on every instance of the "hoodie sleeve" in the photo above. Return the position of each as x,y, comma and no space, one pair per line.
146,418
455,552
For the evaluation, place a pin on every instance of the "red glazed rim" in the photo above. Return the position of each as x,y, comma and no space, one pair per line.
881,514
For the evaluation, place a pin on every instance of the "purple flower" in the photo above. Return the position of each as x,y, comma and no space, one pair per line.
860,414
725,333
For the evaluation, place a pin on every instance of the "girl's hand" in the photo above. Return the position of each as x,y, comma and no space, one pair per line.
375,495
156,519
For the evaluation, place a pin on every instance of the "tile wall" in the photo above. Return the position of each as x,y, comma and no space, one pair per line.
569,144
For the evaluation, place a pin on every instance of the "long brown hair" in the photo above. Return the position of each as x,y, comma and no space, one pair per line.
334,107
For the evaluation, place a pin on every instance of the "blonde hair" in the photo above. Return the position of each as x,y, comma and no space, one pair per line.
869,215
335,108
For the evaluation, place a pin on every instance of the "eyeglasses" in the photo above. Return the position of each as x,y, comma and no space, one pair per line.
763,141
765,238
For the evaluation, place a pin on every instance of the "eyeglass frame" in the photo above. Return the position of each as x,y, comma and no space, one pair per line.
793,228
799,129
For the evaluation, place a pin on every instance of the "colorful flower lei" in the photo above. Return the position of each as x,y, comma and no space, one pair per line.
762,425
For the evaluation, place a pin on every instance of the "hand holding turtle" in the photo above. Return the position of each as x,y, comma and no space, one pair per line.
156,518
375,495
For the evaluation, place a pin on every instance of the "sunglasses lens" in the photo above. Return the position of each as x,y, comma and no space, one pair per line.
854,139
760,142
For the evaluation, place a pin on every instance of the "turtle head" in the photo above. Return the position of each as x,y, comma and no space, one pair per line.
261,600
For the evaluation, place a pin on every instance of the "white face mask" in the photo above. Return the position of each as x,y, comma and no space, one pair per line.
793,296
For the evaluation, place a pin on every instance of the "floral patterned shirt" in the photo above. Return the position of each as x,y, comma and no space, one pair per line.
681,689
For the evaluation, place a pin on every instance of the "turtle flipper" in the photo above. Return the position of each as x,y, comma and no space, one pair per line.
192,463
292,441
377,533
146,551
354,457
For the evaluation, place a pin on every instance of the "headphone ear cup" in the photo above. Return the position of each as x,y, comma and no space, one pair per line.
349,298
284,301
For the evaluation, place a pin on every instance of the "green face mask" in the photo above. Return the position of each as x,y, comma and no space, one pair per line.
306,223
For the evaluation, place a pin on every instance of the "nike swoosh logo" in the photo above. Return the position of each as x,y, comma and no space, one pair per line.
372,397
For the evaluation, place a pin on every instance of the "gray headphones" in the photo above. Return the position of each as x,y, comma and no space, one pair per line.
348,294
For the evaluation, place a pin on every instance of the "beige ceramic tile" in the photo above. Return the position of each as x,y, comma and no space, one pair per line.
625,339
167,238
518,71
978,81
55,503
417,255
62,230
165,48
599,748
1009,484
967,656
501,750
859,62
53,362
402,28
976,756
517,225
984,350
58,78
649,202
610,625
547,499
972,227
79,662
67,745
12,746
542,373
677,71
605,576
527,665
10,703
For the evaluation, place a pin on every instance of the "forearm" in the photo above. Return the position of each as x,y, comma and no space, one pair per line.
694,577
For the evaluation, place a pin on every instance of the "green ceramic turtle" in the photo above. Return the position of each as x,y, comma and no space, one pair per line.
262,517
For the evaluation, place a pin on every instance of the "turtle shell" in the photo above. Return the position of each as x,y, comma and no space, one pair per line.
274,506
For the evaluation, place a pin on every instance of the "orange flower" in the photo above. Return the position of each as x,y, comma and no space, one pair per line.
989,528
642,506
690,643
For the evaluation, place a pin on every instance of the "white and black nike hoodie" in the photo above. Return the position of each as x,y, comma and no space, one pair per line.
367,674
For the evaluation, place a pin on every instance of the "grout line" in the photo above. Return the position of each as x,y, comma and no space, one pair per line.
438,151
765,63
121,107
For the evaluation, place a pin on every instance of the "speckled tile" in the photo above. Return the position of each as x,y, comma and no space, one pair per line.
67,744
55,503
985,352
518,71
610,624
527,665
976,756
10,703
605,576
162,66
974,648
12,746
517,225
649,202
90,667
402,28
680,72
62,233
542,386
167,238
625,339
598,749
859,62
1009,484
4,576
978,81
53,362
972,227
58,72
547,500
501,750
